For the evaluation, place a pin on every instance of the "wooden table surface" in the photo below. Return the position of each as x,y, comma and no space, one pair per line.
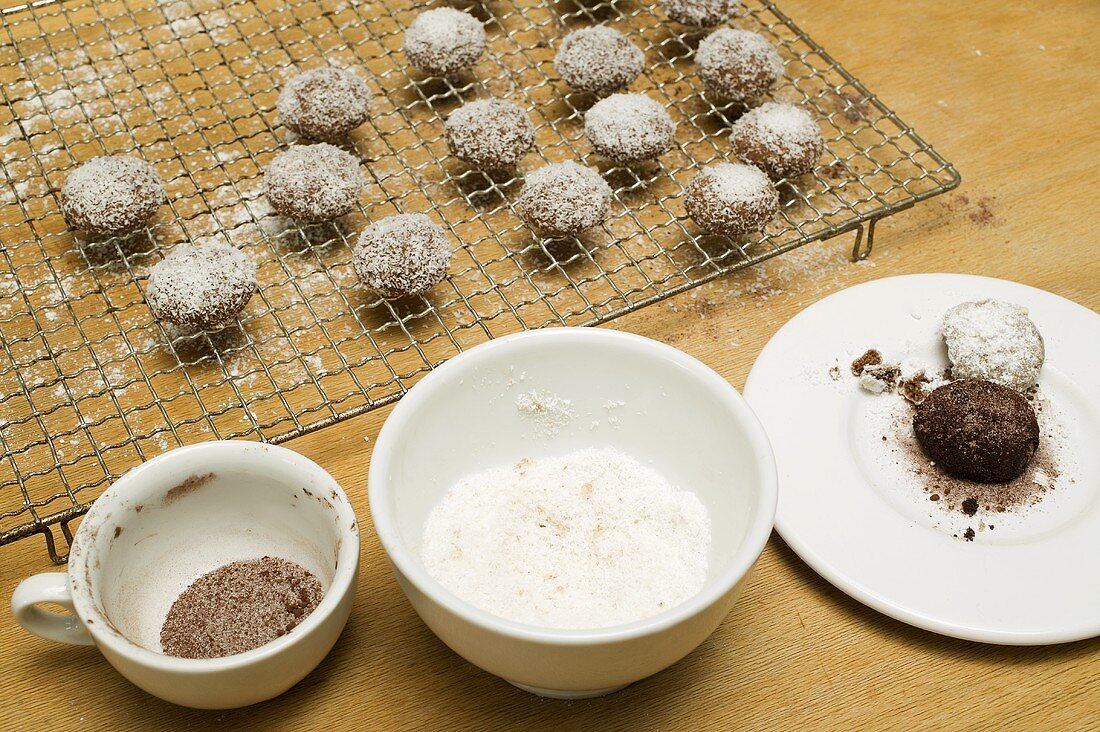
1009,93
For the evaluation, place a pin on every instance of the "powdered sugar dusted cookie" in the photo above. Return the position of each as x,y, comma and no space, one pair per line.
115,194
489,133
599,60
628,128
563,199
995,341
701,13
783,140
731,199
402,255
737,64
313,182
201,286
444,41
324,104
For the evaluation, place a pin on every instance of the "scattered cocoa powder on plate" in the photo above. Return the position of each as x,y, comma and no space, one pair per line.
238,607
968,497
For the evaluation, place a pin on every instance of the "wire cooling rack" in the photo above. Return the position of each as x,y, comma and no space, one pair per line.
91,384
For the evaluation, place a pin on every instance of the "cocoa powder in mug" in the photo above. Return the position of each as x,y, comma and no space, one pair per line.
238,607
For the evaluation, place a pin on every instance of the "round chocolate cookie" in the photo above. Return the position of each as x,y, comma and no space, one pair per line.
444,41
313,182
111,195
402,255
700,13
201,287
783,140
737,64
993,340
324,104
731,199
977,430
563,199
628,128
598,59
489,133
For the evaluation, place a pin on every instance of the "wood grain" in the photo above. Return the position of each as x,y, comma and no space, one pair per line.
1010,94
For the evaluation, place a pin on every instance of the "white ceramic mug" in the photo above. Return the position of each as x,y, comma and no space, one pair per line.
169,521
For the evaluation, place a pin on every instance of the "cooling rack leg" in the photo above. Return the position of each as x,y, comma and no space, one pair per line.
51,547
861,249
68,534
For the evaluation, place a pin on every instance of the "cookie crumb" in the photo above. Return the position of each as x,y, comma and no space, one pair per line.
871,357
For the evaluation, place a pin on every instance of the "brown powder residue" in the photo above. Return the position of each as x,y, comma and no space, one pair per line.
187,486
981,211
836,171
238,607
870,358
968,497
854,108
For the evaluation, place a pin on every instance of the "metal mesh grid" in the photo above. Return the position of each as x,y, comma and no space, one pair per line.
91,384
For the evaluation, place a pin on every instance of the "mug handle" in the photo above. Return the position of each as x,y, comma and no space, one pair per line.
61,627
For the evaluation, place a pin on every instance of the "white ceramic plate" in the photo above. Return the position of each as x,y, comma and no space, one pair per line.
865,525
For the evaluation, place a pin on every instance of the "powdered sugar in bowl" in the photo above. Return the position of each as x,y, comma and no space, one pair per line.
176,518
570,399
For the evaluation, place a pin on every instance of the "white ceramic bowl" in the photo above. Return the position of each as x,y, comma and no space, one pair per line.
175,518
678,415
